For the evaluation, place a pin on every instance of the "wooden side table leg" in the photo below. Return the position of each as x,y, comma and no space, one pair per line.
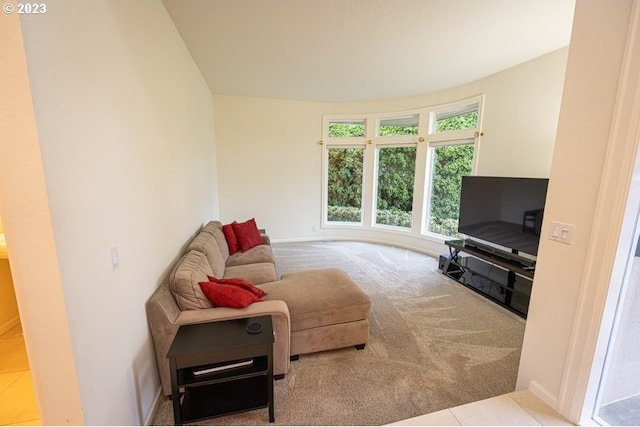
175,393
272,417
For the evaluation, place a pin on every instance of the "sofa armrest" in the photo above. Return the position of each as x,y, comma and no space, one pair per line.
279,316
266,240
163,335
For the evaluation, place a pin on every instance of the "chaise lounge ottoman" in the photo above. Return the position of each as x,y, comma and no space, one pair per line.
327,310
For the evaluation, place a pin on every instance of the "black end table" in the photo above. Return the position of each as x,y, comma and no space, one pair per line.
220,368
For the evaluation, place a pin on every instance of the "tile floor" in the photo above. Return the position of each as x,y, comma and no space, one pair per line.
520,408
624,412
17,400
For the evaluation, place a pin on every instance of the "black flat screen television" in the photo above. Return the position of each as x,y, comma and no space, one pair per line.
503,210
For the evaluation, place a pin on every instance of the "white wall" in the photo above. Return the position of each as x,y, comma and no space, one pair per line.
126,134
582,143
27,221
521,112
270,159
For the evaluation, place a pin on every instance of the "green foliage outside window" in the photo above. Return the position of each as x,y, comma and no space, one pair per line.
398,130
345,184
463,121
346,130
344,213
450,164
396,176
396,169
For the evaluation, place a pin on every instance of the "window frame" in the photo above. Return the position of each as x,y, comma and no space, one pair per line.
437,139
328,142
430,159
425,141
325,183
374,207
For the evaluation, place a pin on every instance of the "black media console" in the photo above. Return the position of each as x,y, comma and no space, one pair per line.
503,277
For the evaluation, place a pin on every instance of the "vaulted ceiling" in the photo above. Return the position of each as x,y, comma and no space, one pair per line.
354,50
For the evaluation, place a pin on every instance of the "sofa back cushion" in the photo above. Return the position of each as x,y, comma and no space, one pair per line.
192,268
208,245
215,229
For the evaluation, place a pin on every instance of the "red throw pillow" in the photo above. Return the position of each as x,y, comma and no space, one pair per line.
247,234
241,283
230,236
227,295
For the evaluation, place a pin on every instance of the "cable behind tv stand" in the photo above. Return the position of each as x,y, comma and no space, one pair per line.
504,278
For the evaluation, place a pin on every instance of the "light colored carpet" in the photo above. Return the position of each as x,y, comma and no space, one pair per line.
433,344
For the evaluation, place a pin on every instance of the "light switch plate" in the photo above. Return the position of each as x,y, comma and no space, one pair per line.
115,260
561,232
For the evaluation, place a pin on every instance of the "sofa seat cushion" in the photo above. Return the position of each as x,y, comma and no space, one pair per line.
257,273
192,268
319,298
257,254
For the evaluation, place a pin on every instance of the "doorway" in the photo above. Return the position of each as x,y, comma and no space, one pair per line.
618,398
17,398
614,382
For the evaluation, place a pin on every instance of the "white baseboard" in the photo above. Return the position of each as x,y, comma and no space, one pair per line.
543,394
9,324
300,239
360,239
154,406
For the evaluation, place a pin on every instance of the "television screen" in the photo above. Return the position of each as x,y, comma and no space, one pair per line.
503,210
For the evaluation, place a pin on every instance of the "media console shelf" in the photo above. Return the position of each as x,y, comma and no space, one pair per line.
502,277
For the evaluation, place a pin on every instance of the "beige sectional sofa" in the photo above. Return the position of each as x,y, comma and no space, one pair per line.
312,310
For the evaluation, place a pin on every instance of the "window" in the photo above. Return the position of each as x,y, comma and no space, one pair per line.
395,183
451,159
399,126
463,118
344,187
449,164
401,171
347,129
